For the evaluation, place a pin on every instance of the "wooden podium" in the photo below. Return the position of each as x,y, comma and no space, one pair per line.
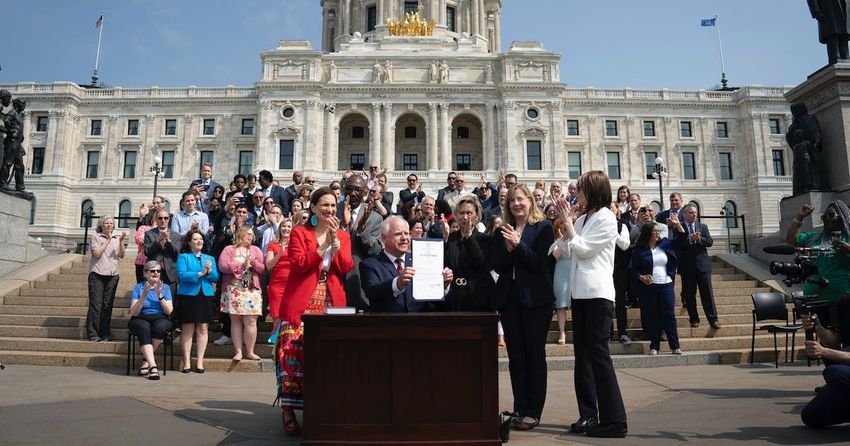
394,379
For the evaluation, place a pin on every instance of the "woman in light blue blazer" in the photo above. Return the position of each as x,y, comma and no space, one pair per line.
197,273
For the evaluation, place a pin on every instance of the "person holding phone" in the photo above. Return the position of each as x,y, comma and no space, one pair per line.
150,307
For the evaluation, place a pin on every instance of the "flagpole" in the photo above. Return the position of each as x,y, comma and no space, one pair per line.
97,56
723,80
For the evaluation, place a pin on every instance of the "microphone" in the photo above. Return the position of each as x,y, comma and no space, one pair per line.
783,250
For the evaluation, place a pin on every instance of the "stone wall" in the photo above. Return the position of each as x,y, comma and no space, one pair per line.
17,248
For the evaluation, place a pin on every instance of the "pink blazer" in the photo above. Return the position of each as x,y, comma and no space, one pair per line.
231,269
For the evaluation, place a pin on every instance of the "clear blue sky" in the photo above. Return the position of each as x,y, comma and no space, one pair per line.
603,43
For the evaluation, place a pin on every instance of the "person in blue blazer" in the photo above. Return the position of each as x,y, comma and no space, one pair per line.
654,263
198,274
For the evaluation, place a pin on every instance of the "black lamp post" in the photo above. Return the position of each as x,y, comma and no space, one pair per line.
660,172
156,171
728,228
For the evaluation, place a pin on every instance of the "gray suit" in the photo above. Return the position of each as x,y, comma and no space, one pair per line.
165,255
364,244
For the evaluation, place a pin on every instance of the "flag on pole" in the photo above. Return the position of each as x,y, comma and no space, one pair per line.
708,22
99,22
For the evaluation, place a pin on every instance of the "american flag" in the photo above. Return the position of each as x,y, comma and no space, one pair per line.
99,22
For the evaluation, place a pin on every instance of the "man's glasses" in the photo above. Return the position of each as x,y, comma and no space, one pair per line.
354,189
410,180
258,197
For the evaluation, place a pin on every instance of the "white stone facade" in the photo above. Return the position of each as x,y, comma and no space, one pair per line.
466,100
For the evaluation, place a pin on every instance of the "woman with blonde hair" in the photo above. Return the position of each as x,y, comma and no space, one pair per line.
107,250
241,264
277,261
465,253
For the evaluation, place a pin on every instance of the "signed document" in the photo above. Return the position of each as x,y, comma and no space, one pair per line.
427,258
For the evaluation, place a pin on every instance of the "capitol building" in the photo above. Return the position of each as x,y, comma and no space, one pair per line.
428,93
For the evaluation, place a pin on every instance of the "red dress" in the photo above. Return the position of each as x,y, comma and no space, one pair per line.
277,281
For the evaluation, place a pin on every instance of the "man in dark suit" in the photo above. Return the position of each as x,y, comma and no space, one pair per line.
413,193
162,244
386,278
695,268
291,192
363,223
270,189
675,207
387,197
451,180
206,182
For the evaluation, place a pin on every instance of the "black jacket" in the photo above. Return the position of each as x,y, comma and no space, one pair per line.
467,258
532,263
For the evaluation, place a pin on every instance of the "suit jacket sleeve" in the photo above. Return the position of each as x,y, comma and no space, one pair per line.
303,256
594,238
536,256
377,288
185,272
370,238
705,236
500,258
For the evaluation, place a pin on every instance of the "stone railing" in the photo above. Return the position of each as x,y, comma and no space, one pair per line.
119,92
748,91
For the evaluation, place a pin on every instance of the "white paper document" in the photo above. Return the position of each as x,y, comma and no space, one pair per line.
427,258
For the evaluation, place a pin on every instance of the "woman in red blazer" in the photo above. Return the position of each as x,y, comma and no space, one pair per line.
320,257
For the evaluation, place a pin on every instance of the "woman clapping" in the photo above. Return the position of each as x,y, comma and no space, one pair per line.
198,273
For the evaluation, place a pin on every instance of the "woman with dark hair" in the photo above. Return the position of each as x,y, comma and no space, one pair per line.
336,187
417,228
198,274
466,255
277,261
623,198
319,259
590,243
551,213
524,297
216,207
654,266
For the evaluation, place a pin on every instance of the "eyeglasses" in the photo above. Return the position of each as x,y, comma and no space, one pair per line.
410,180
354,189
452,178
258,197
417,210
162,218
373,167
268,202
154,271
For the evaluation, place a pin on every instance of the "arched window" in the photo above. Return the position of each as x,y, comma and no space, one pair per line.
32,211
86,207
124,213
657,206
729,210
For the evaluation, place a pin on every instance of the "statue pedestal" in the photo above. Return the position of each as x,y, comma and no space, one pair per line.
18,248
826,94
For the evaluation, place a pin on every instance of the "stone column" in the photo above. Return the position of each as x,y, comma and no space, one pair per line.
490,147
346,17
375,135
331,148
433,136
445,139
497,20
380,13
388,153
442,13
325,28
472,26
482,18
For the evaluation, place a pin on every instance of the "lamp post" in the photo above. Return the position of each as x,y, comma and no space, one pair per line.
728,229
156,171
660,172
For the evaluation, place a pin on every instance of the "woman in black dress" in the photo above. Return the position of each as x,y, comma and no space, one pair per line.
466,255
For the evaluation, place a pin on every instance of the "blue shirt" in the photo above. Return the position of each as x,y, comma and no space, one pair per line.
151,305
181,222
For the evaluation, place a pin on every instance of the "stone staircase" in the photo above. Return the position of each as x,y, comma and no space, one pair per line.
43,323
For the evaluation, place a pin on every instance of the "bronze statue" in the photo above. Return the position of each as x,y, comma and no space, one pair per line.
833,27
13,129
804,137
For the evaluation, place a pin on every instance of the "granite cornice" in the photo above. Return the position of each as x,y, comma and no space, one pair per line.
644,103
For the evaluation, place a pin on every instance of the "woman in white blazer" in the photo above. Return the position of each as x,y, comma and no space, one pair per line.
590,243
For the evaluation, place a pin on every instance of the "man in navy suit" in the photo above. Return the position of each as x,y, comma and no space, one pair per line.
270,189
675,208
695,268
386,278
206,182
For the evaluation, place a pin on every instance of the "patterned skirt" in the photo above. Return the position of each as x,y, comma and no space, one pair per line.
289,352
241,301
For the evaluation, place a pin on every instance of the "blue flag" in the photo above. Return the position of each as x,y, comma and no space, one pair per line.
708,22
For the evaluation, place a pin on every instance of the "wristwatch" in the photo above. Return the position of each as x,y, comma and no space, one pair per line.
161,298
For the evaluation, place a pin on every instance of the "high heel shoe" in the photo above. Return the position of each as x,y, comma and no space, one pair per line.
562,340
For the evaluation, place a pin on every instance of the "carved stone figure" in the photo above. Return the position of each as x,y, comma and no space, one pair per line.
433,77
547,73
804,136
377,73
833,26
13,152
388,71
444,72
488,74
332,72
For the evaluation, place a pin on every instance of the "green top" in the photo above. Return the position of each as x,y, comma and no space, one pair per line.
835,268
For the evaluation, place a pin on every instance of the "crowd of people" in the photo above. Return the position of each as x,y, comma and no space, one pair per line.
257,249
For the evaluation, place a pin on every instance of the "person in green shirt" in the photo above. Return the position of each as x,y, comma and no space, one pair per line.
835,234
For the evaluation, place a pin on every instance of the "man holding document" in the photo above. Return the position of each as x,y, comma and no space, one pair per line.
388,278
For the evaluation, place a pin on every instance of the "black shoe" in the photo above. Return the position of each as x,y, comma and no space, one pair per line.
580,426
612,430
106,338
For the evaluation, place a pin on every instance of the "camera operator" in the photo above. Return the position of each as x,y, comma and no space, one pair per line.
835,268
831,404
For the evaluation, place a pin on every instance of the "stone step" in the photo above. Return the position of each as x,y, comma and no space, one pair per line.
62,301
684,331
115,361
85,346
43,310
51,321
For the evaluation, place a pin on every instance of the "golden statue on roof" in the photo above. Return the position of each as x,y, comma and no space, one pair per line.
413,25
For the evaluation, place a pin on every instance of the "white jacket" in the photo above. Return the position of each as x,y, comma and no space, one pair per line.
591,253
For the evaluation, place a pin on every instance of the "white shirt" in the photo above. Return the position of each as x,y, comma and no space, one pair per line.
659,266
396,290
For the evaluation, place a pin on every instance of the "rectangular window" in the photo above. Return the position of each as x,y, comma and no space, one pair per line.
410,132
410,161
248,126
574,164
287,154
168,164
37,161
775,129
450,19
371,18
649,129
778,163
463,161
613,161
685,129
96,127
463,132
722,129
689,167
132,127
725,163
358,160
207,156
246,162
411,7
170,127
649,160
611,128
209,127
534,155
41,124
92,160
358,132
130,164
572,127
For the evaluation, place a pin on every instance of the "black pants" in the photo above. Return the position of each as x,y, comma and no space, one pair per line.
101,298
595,380
621,298
148,327
525,338
831,404
690,283
658,311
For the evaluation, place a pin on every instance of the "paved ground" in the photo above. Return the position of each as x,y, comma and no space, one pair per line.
704,405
